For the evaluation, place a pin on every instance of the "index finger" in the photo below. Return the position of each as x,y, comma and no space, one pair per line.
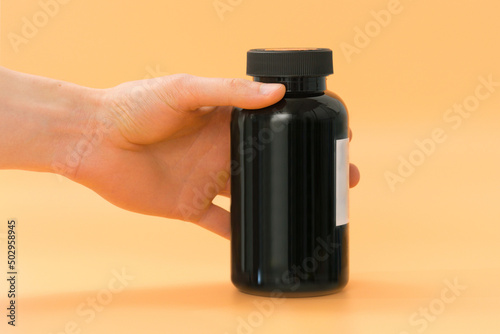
194,92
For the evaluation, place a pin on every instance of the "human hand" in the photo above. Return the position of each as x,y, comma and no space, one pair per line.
158,143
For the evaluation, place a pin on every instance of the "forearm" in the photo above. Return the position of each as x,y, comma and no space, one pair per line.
40,120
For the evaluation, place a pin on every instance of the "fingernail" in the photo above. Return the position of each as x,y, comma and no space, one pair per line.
266,89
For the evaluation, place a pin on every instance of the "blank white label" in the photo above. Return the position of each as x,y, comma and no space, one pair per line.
342,182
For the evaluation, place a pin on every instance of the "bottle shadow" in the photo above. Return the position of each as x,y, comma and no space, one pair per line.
358,295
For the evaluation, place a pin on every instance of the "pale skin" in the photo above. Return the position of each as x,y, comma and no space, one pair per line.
148,146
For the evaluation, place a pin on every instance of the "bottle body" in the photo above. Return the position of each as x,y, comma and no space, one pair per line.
289,179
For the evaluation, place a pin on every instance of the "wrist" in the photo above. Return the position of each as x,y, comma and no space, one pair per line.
76,128
41,120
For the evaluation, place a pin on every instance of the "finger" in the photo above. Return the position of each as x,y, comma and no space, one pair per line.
192,92
216,220
226,192
354,175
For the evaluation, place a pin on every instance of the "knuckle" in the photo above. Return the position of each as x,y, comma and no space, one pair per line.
181,91
179,79
234,83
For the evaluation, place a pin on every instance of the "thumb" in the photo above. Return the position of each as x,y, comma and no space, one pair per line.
192,92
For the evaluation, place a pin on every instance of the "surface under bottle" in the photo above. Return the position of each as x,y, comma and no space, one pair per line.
285,240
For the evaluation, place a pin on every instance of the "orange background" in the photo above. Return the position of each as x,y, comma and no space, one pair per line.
440,225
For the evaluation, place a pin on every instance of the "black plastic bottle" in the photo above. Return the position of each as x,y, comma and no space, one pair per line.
289,181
